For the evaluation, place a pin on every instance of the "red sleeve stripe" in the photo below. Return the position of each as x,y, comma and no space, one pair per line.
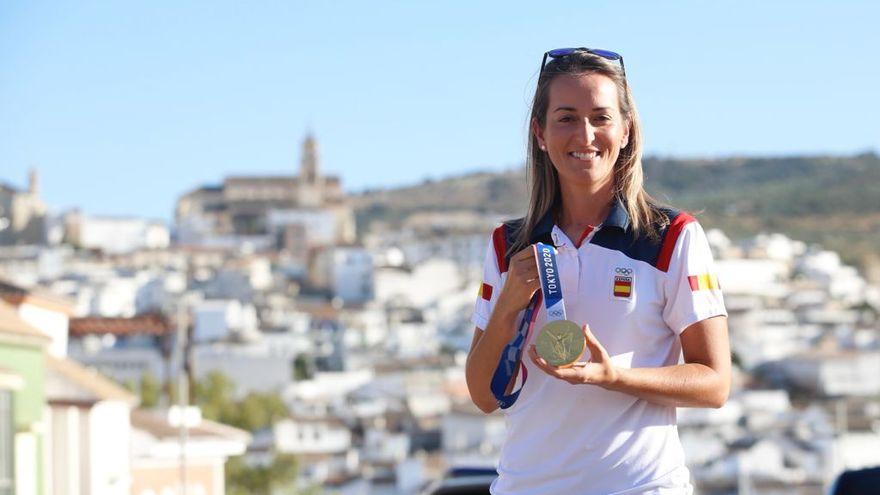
678,224
499,241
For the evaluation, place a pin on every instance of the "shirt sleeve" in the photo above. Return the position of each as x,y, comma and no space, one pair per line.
490,288
692,290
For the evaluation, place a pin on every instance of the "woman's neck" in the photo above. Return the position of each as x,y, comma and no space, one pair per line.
582,208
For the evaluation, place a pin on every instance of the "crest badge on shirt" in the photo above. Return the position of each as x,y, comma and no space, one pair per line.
624,279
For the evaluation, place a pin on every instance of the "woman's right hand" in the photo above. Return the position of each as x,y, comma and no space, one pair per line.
522,282
488,344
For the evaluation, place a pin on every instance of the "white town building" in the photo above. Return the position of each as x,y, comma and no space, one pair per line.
115,235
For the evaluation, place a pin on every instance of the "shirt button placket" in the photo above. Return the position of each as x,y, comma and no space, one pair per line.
575,274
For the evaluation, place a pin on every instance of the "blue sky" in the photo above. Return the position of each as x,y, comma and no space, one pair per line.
124,106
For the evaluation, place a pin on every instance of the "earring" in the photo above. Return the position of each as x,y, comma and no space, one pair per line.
543,148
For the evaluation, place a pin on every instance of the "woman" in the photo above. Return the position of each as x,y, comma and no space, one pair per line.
637,276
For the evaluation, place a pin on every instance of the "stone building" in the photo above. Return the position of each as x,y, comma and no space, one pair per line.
296,211
22,213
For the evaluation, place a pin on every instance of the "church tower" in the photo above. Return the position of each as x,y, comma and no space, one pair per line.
311,184
309,161
34,181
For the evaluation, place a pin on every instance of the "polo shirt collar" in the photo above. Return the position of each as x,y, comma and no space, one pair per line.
541,232
617,217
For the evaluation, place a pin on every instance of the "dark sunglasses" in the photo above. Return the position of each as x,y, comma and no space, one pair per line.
564,52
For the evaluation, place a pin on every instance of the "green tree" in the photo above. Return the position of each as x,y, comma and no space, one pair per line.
258,411
214,395
277,478
151,390
130,386
302,369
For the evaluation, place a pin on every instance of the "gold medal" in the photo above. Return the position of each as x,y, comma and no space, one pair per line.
561,343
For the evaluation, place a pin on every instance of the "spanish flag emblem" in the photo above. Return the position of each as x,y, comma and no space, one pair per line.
706,281
485,291
623,286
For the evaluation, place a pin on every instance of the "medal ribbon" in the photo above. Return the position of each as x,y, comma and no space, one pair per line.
551,286
511,356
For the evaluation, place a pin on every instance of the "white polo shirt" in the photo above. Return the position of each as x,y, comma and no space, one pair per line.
637,295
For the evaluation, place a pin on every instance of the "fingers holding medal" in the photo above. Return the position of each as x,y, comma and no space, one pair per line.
522,280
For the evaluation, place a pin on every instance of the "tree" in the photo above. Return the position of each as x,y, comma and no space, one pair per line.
279,477
130,386
214,395
150,390
302,368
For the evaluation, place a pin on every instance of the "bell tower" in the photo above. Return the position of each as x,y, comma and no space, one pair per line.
309,160
311,184
34,181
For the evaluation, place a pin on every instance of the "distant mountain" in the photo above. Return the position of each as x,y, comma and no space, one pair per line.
830,200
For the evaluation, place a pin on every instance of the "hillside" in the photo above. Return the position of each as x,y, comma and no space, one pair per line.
834,201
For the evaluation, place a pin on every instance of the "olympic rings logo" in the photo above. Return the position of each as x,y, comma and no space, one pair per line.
623,271
556,313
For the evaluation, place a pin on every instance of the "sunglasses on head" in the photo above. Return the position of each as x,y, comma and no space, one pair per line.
564,52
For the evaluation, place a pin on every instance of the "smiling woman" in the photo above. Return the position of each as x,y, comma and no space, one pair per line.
584,131
626,263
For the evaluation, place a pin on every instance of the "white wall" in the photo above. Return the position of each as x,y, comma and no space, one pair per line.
160,292
842,374
310,437
217,319
413,340
52,323
260,273
856,450
117,297
424,285
110,439
462,433
858,374
352,274
65,450
122,235
25,470
381,445
761,277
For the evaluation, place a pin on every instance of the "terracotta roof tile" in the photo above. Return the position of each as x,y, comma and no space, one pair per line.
11,323
69,381
155,423
150,324
16,294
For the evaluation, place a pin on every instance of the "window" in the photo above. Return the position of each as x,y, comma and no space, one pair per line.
7,443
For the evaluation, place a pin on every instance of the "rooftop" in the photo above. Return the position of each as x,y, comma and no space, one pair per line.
155,422
16,294
72,383
150,324
11,323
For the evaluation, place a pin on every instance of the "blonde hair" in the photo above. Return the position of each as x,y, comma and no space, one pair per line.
543,182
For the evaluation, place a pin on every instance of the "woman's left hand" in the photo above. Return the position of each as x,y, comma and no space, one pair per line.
597,371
